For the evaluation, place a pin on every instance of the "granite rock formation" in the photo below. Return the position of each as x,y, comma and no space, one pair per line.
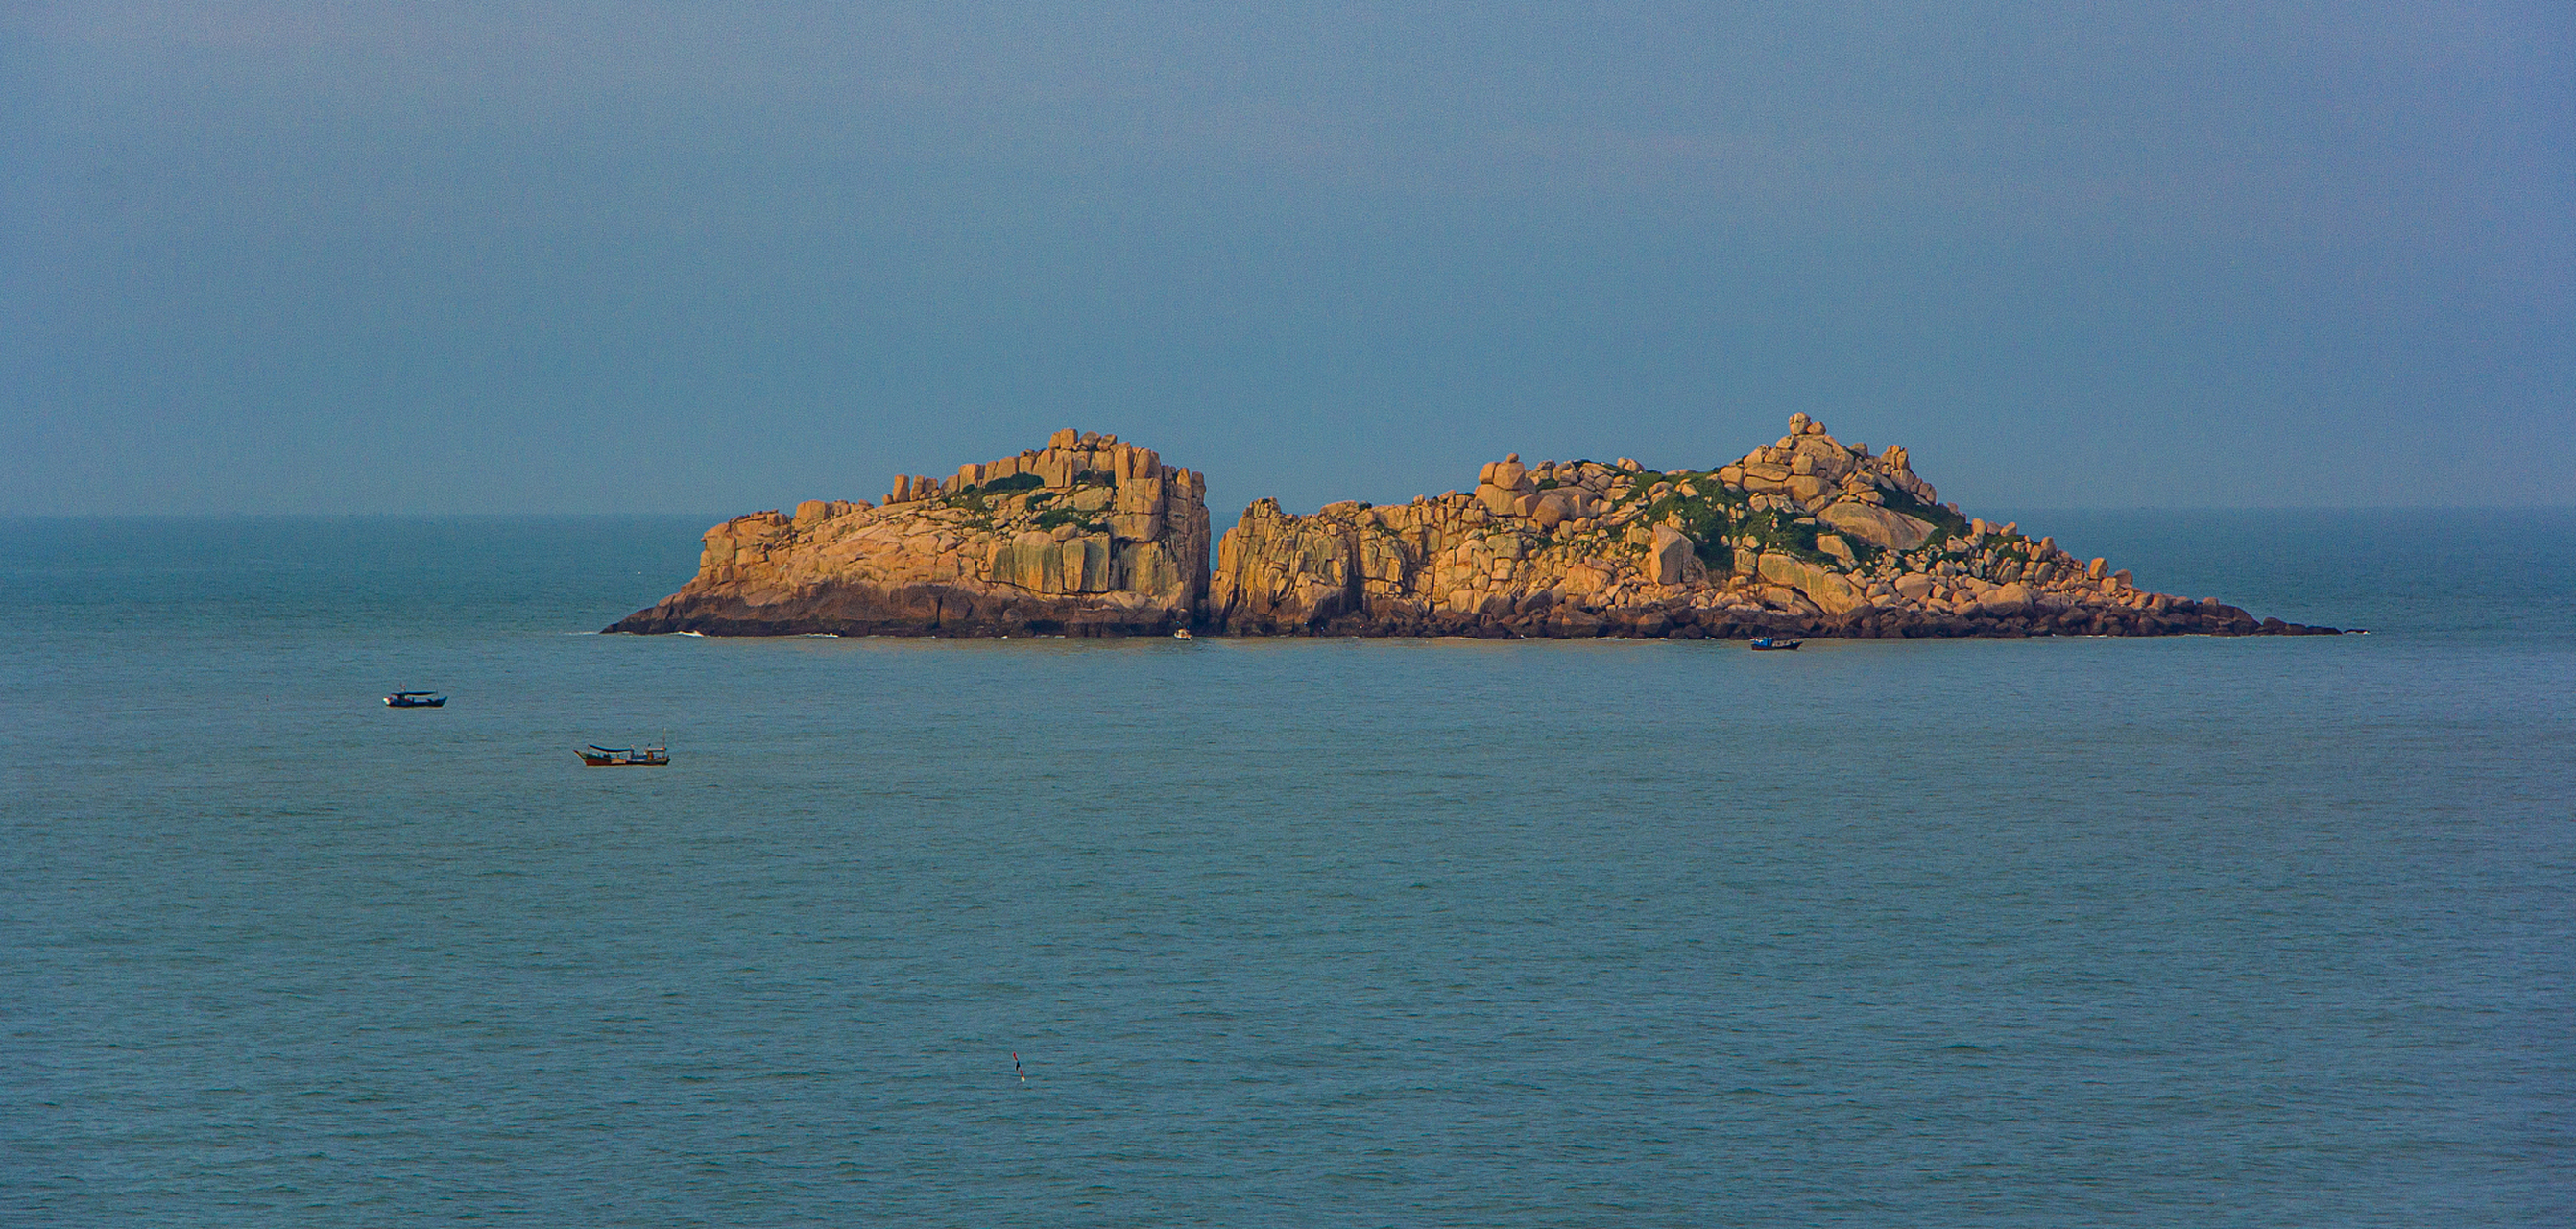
1805,536
1085,537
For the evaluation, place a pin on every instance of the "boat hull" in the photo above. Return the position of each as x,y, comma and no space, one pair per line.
649,759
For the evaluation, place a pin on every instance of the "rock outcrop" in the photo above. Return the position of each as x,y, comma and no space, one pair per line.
1805,536
1089,536
1085,537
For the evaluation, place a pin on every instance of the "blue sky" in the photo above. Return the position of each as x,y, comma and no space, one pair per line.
711,258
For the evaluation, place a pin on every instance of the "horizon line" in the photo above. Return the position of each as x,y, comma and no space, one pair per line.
282,514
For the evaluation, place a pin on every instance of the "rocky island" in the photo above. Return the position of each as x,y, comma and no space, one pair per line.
1084,537
1807,536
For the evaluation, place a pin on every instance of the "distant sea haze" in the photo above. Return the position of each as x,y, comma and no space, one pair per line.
2185,930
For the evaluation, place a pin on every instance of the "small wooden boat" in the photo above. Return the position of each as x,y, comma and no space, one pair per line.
415,699
1764,644
598,756
1182,634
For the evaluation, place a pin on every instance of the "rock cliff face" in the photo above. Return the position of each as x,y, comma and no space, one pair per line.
1085,537
1806,536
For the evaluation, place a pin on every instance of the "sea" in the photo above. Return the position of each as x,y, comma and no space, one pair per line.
2046,932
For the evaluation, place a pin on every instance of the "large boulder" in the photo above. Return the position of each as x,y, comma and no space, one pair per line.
2006,599
1880,527
1668,556
1829,590
1553,509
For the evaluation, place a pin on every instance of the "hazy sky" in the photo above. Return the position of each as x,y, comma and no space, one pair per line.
711,257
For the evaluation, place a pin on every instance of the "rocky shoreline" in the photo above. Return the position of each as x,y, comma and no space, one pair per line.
1089,536
1683,621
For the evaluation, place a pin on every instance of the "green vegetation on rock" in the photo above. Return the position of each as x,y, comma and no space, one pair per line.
1016,482
1055,517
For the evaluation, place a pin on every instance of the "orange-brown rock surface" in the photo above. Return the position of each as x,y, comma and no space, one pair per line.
1087,536
1807,536
1090,536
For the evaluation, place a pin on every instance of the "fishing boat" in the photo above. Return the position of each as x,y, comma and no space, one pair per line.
415,699
1764,644
598,756
1182,634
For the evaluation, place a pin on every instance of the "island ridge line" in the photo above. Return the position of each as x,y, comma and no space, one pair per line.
1090,536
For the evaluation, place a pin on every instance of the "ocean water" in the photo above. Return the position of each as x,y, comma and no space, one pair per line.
2274,931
